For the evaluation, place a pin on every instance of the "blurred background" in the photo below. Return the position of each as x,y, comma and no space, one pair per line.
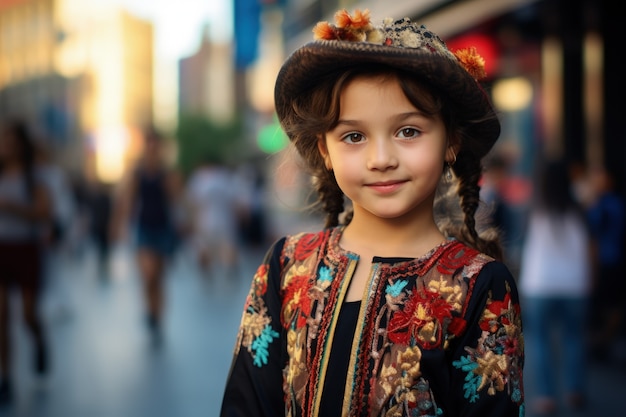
91,77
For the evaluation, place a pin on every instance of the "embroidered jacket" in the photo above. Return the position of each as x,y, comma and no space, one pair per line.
440,335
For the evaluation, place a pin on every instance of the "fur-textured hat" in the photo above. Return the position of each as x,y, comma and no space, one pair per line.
403,45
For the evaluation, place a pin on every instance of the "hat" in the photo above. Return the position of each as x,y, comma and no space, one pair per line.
403,45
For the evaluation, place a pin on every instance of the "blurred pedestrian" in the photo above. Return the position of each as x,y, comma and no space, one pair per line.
145,205
98,207
253,222
555,284
25,213
59,233
607,219
497,208
215,201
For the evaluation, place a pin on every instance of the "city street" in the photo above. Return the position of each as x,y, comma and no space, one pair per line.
103,364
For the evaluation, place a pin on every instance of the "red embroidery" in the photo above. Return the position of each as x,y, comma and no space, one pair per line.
457,326
260,281
501,313
454,258
421,309
307,245
297,300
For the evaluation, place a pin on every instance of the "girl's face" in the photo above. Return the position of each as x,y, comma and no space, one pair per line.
386,155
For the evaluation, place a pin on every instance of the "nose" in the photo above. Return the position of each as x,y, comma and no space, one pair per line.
381,155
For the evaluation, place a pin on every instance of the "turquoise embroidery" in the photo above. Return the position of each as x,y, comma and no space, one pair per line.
325,274
472,380
396,288
260,345
516,395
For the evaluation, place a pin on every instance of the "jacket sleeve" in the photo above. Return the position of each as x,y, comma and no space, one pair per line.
254,383
488,359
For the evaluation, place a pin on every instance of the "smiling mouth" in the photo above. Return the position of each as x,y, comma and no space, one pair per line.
385,187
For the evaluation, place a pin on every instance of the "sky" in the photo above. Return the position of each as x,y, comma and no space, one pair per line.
179,23
178,27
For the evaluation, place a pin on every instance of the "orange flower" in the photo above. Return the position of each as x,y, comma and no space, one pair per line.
324,31
359,20
472,62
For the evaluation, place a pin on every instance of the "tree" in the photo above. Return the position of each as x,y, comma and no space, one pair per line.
200,139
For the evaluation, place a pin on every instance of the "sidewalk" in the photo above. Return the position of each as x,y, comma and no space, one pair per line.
103,364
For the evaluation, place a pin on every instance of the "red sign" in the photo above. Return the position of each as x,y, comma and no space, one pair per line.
485,46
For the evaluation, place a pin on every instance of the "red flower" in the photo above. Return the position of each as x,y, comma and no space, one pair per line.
307,245
260,280
454,258
297,300
498,309
457,326
511,346
423,308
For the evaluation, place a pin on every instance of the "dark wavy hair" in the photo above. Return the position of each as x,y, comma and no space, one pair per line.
317,112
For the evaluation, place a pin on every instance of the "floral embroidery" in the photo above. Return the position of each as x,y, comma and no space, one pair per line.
260,345
297,304
256,333
455,258
457,326
306,245
490,364
396,288
421,319
325,276
391,380
419,308
296,353
407,389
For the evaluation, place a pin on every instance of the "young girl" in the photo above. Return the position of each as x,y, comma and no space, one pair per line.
390,311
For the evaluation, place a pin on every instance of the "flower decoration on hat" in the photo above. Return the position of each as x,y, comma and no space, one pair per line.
347,27
400,33
472,62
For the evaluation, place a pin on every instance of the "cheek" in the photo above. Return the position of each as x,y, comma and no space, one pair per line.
425,161
345,171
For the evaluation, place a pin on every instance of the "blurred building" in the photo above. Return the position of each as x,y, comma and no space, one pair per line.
207,81
82,73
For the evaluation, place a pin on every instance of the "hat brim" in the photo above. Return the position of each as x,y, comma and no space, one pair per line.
317,60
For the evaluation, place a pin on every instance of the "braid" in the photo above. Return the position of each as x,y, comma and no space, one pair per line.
330,196
469,170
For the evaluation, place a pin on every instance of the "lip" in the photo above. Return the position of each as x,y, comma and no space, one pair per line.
385,187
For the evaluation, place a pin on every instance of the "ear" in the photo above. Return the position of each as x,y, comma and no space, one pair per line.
321,146
451,152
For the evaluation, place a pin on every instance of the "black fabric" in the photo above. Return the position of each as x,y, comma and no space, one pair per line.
332,397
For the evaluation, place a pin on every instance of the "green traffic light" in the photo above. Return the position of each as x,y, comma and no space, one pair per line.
272,139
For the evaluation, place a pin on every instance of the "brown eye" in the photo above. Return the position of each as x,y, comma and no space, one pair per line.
353,137
408,133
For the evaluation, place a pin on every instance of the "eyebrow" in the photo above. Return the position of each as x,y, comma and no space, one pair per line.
398,117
